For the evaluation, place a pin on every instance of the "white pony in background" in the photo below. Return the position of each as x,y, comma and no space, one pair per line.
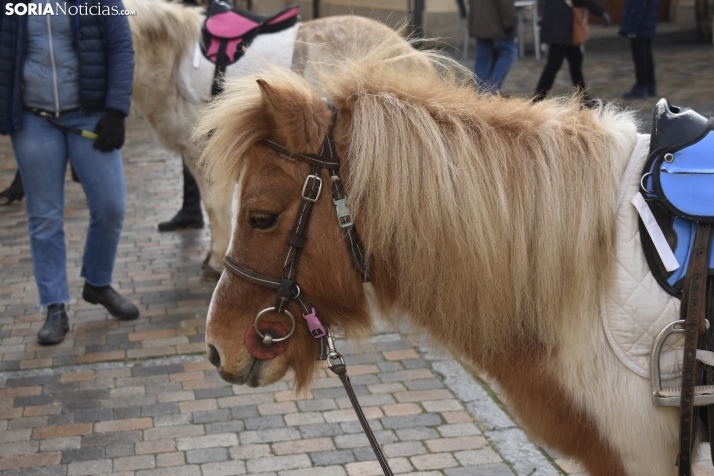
172,81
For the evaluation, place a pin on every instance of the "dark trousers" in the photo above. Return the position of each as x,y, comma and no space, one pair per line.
644,63
556,54
191,194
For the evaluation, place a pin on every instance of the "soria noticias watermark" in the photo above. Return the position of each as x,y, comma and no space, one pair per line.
61,8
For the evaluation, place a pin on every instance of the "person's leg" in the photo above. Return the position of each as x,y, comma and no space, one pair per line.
484,63
547,77
190,215
41,153
575,64
16,191
649,71
639,54
102,176
507,53
639,58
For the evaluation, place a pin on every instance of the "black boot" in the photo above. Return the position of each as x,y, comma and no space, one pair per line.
117,305
190,215
14,192
56,325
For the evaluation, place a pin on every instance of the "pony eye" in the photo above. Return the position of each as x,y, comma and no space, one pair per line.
263,221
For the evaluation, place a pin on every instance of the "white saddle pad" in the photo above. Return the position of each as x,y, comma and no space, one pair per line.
638,308
195,72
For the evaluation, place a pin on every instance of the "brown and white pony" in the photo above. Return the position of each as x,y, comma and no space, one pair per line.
491,226
164,33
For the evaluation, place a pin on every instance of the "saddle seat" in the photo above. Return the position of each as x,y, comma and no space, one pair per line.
227,31
678,185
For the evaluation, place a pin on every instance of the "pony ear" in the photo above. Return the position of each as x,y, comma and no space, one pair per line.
299,119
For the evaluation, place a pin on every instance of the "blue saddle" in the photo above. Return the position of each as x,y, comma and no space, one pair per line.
678,183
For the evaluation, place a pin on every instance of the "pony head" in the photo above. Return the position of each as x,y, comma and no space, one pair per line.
267,198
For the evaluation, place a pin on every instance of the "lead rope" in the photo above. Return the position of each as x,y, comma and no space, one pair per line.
340,370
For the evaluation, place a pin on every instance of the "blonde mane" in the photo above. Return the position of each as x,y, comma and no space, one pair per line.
476,208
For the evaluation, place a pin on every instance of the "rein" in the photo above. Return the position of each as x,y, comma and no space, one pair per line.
286,287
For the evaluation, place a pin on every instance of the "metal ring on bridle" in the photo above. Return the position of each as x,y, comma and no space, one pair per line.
267,340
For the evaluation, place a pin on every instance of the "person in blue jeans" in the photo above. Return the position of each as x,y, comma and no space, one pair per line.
62,74
493,24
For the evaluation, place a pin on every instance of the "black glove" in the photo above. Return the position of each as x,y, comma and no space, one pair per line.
110,130
606,20
508,30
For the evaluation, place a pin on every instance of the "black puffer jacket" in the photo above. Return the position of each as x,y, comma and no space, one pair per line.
557,19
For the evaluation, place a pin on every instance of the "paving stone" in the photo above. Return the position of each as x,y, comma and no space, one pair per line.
278,463
122,437
328,458
193,470
319,404
159,409
213,392
327,471
434,461
244,411
206,455
226,468
424,384
316,431
59,444
175,419
224,427
123,413
90,468
119,451
356,427
88,416
269,436
133,463
482,470
207,441
82,454
57,470
411,421
261,423
409,448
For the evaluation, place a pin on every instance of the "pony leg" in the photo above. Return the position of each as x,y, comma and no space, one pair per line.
618,401
548,412
218,220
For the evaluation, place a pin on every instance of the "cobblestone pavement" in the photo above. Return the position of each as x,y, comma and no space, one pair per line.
138,398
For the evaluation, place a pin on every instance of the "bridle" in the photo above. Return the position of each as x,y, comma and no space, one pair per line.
286,287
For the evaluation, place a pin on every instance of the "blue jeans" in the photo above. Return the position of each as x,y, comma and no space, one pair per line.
489,72
42,151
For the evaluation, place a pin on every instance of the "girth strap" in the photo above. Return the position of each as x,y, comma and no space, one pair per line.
694,311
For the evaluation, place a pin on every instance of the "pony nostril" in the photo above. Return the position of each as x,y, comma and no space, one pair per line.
214,357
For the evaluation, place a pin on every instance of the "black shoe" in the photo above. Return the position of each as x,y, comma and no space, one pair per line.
56,325
16,191
117,305
182,220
